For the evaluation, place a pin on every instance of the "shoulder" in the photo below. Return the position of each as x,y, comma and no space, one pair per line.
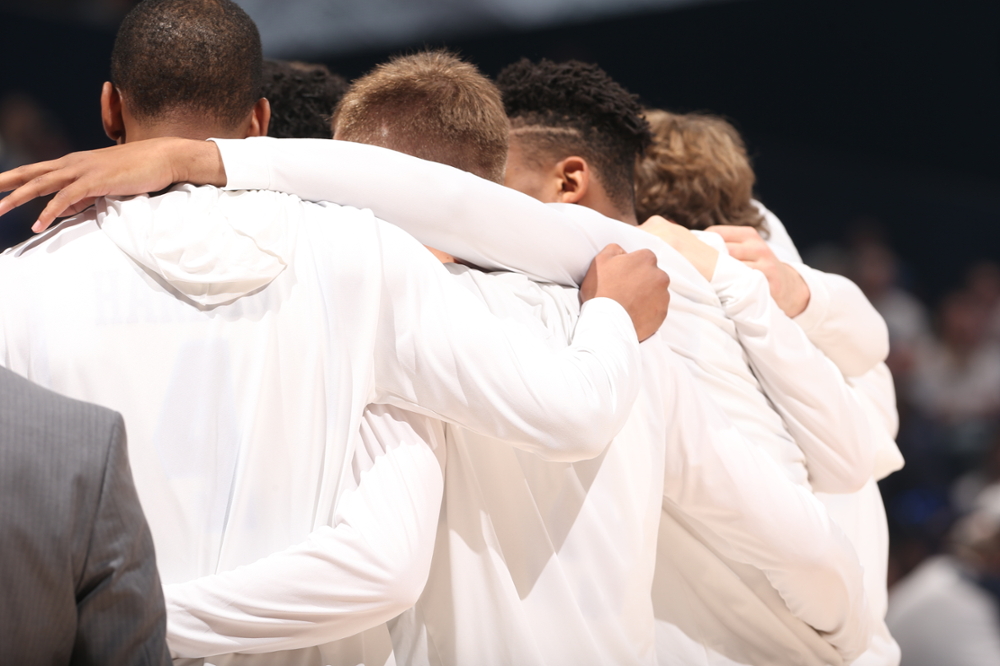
66,233
778,238
42,421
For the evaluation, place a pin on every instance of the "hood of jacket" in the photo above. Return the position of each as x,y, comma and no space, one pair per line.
212,246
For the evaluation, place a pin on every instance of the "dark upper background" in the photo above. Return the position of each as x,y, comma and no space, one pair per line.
885,110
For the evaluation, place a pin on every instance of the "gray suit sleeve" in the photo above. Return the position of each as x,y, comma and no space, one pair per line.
119,599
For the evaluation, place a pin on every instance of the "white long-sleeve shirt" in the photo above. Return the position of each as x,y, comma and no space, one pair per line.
243,394
314,171
545,563
486,224
839,321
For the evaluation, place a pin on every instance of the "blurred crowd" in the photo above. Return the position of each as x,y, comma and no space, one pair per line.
945,361
28,133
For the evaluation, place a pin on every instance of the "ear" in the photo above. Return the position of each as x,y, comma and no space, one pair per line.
260,118
111,113
574,179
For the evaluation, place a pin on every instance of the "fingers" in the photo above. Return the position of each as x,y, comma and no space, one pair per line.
734,234
753,248
63,203
15,178
612,250
643,256
38,187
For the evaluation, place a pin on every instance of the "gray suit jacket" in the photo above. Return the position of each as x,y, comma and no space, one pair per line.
78,579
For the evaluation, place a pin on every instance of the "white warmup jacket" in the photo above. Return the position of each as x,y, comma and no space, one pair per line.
836,321
446,208
241,335
541,562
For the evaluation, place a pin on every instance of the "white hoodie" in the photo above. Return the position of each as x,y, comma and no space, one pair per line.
241,335
715,328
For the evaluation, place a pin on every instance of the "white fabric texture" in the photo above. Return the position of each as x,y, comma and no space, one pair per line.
839,320
242,416
426,197
549,563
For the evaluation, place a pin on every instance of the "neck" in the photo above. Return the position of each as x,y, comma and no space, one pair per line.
604,206
183,127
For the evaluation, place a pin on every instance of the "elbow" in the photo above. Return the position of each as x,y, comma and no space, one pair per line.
580,438
405,592
404,581
842,481
845,475
865,352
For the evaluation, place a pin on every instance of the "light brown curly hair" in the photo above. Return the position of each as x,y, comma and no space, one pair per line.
696,173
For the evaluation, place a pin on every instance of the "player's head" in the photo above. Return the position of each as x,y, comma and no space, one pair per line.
696,173
302,97
575,135
431,105
185,68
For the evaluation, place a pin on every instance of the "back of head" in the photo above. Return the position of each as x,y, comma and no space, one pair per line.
433,106
696,173
302,97
572,108
180,59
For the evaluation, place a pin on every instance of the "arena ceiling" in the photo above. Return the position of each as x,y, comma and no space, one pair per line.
316,28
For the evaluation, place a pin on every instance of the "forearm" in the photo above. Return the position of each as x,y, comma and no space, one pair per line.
842,322
743,506
341,580
560,402
481,222
878,395
822,412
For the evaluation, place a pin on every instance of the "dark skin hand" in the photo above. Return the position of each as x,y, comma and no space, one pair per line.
633,280
131,168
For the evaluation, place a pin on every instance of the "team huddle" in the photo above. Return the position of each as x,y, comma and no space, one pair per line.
425,393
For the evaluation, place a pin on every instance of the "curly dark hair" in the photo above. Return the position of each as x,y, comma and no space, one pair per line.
696,173
302,97
575,108
188,57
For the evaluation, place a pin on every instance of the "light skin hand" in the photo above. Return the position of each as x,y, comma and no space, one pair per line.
633,280
788,289
132,168
701,255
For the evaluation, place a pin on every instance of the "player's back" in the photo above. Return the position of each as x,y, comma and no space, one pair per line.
241,389
541,562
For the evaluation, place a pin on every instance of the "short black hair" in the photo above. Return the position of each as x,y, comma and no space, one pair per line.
189,57
302,97
571,107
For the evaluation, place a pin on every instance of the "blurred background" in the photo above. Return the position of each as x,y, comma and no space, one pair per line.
874,126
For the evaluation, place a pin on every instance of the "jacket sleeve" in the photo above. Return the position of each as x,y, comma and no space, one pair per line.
821,410
433,202
120,613
845,326
367,567
841,321
740,502
440,352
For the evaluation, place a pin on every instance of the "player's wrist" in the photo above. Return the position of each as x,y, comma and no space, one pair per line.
197,162
797,292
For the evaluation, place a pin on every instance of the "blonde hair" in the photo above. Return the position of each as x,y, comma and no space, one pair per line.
696,173
431,105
